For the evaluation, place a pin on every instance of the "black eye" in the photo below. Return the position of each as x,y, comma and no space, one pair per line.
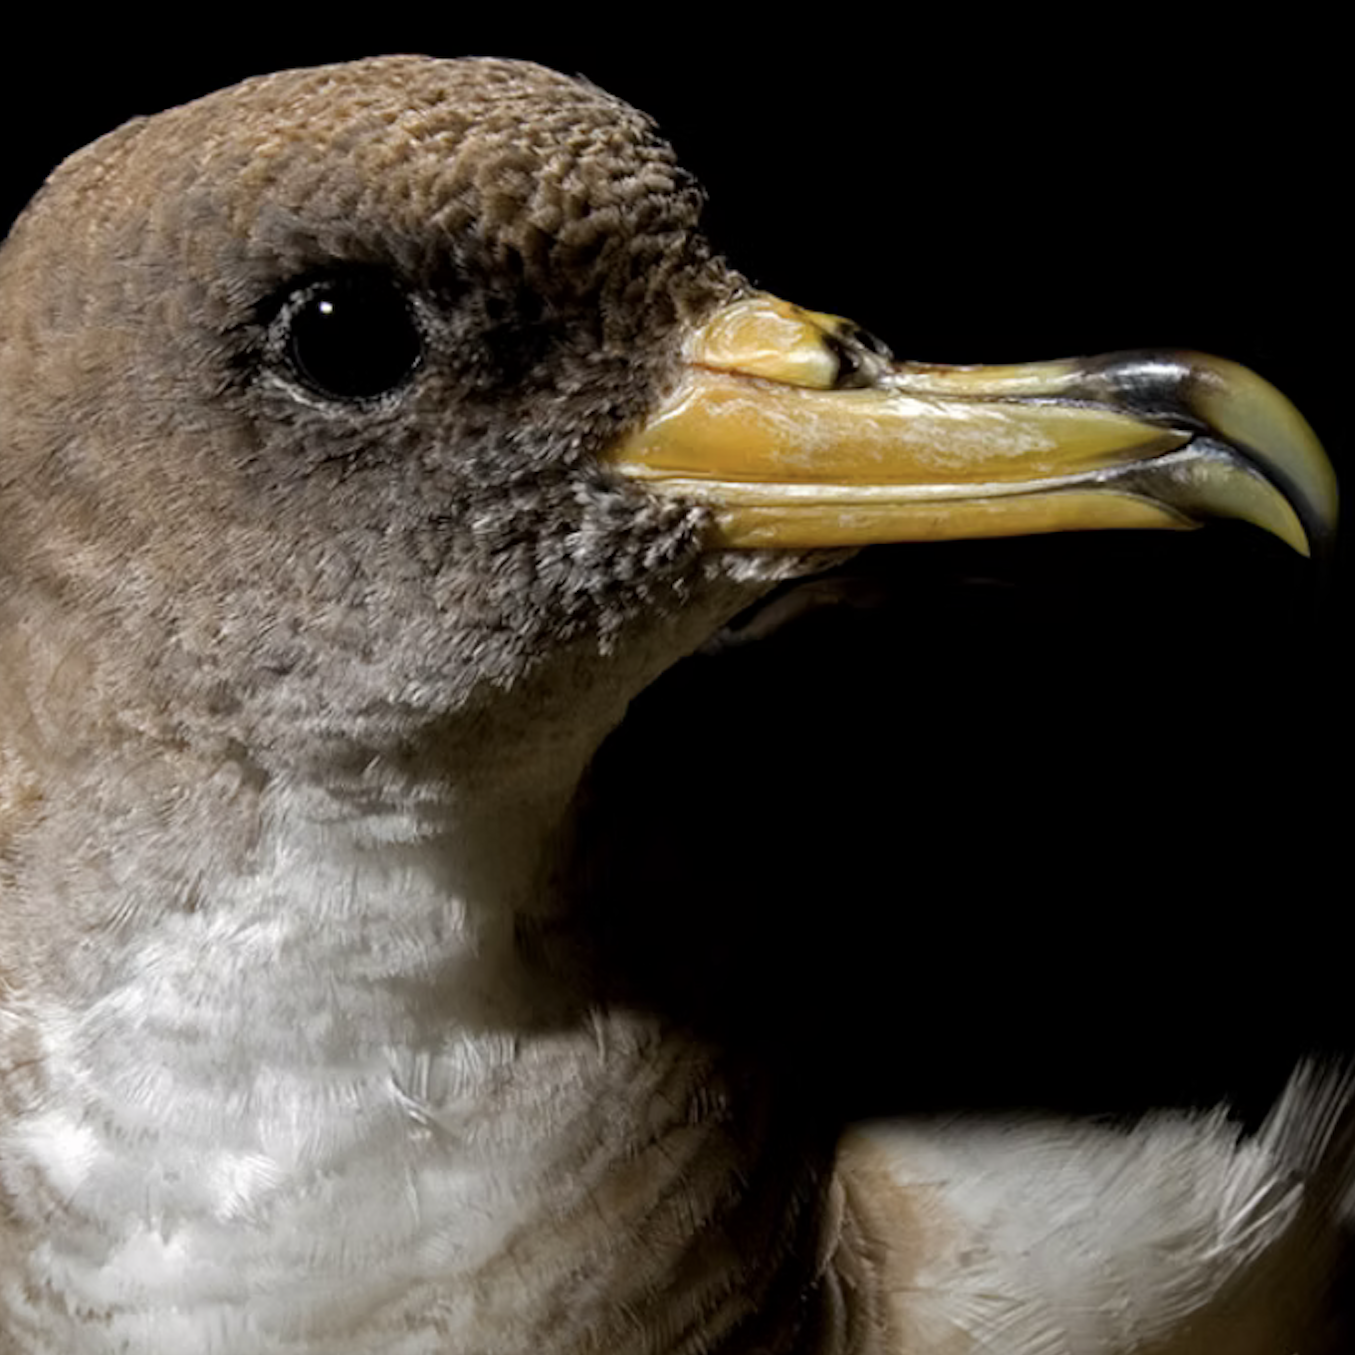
349,338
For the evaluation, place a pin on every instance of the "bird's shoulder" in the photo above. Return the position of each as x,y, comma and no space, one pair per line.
1178,1235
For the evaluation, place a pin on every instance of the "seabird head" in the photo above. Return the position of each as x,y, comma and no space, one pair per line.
338,397
305,385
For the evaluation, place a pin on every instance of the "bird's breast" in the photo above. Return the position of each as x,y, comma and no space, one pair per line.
313,1113
478,1191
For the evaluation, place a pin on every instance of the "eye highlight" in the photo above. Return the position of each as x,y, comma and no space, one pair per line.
349,338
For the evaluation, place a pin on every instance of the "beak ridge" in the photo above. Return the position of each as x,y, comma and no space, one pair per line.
795,439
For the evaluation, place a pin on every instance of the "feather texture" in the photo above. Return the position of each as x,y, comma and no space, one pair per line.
303,1044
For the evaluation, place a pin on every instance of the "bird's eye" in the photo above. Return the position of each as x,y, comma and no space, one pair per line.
349,338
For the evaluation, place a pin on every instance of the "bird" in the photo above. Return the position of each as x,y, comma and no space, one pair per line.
370,436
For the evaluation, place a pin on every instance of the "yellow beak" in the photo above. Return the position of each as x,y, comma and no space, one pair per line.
799,431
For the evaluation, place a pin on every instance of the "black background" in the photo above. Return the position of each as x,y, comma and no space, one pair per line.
1056,821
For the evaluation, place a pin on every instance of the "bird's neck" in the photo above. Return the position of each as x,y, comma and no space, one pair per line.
315,1085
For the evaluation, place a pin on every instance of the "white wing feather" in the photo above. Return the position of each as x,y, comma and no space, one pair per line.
1174,1237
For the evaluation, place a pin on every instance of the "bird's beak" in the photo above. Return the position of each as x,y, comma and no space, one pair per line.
798,432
